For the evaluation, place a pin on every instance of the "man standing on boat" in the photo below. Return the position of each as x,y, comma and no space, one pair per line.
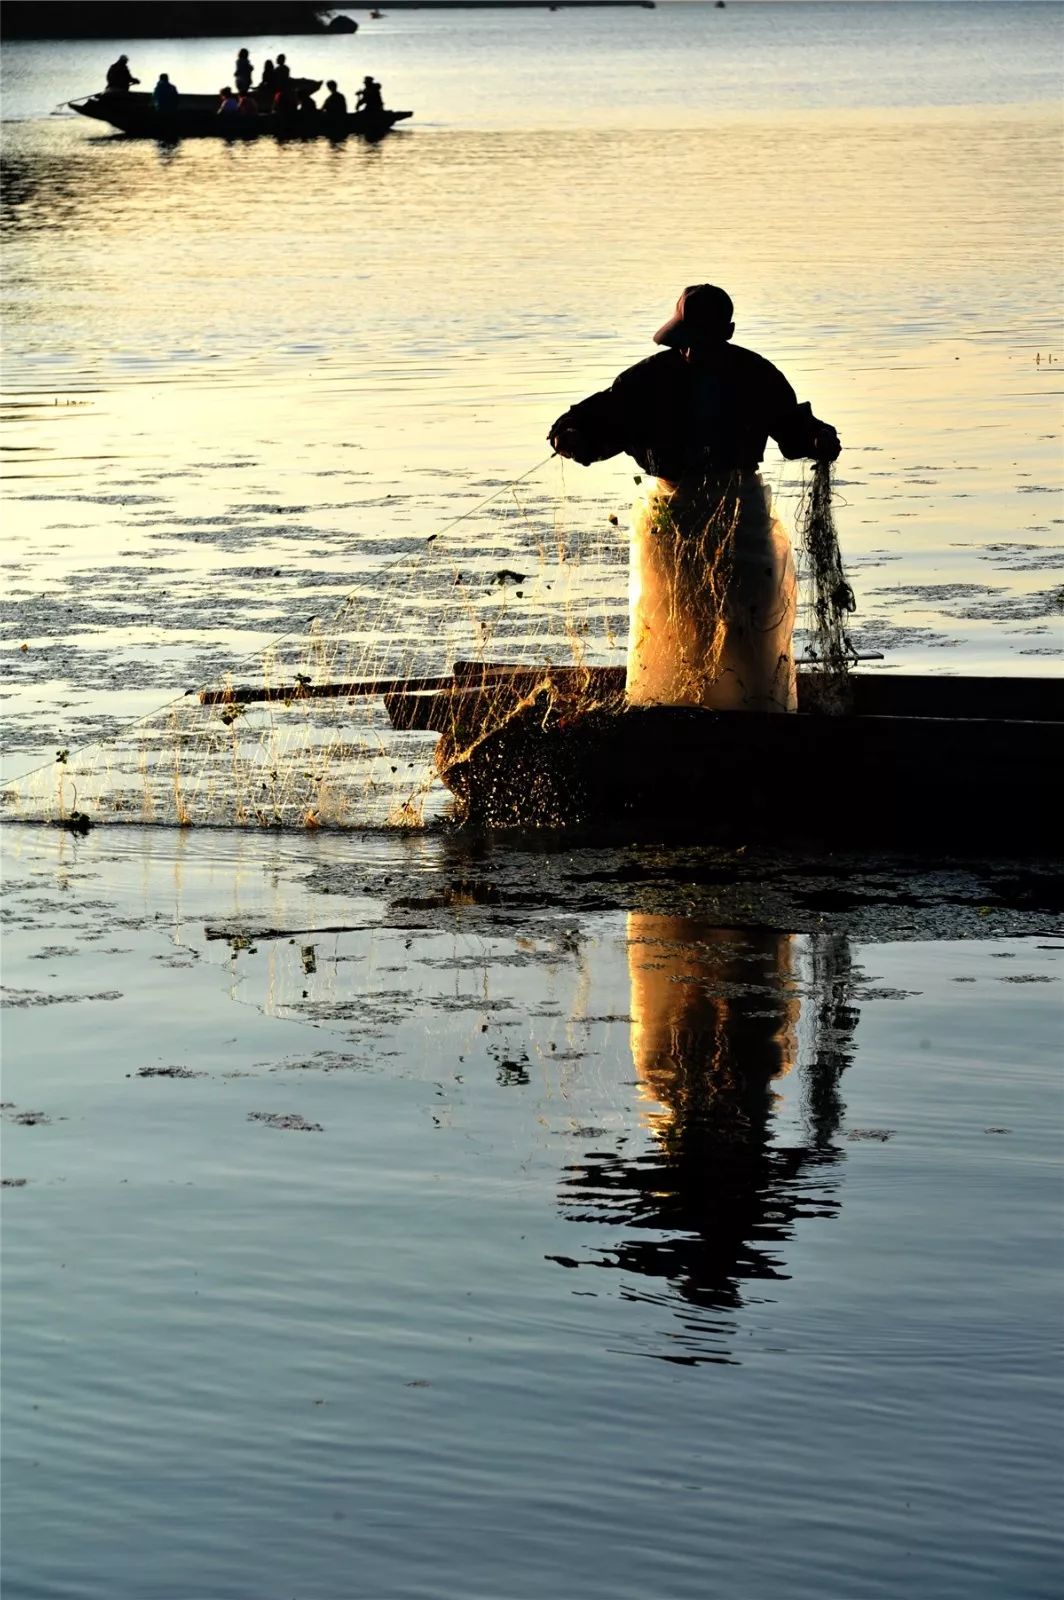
119,77
713,592
243,72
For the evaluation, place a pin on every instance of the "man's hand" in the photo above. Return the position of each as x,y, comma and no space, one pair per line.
566,442
827,446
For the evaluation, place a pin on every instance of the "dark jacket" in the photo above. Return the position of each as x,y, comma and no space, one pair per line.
119,76
672,415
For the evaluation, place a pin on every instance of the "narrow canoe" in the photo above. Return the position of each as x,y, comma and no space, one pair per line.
920,762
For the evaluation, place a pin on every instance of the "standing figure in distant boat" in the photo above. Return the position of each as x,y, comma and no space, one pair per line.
281,72
243,73
228,104
369,97
335,104
713,592
119,77
269,79
164,95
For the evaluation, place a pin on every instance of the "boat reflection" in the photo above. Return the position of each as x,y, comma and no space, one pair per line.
718,1023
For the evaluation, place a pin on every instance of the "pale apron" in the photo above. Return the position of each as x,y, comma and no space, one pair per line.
712,599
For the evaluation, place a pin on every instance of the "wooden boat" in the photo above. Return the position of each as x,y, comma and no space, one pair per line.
916,761
196,117
921,762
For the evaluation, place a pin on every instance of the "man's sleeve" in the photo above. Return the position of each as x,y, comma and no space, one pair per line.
793,426
603,423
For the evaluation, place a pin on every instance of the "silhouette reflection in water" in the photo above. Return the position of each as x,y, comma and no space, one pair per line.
716,1024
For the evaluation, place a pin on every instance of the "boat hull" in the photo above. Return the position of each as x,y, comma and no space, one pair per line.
197,118
976,774
911,781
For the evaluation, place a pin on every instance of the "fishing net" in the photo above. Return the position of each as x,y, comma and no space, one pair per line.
520,607
302,736
712,598
829,599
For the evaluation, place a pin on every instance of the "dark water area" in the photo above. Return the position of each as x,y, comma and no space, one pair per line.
403,1218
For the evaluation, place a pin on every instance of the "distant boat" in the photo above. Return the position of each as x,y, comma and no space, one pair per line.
196,117
376,15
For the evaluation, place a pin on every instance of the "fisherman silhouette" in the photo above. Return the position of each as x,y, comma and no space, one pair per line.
713,586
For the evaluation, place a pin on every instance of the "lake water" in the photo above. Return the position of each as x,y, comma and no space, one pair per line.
232,372
602,1237
395,1215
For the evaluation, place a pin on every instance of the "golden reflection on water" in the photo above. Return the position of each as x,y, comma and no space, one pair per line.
716,1030
714,1020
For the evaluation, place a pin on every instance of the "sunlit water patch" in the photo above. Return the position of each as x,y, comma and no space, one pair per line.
222,460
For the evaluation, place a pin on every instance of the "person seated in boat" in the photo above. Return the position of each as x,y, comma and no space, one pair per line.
247,105
119,77
164,95
281,72
284,101
334,106
369,97
306,106
228,104
243,73
713,592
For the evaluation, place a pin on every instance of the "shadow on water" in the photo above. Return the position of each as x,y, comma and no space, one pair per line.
715,1028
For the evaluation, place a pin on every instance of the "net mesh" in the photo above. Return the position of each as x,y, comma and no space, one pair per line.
829,599
332,726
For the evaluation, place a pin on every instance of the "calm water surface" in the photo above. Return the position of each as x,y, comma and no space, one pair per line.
390,1219
611,1245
